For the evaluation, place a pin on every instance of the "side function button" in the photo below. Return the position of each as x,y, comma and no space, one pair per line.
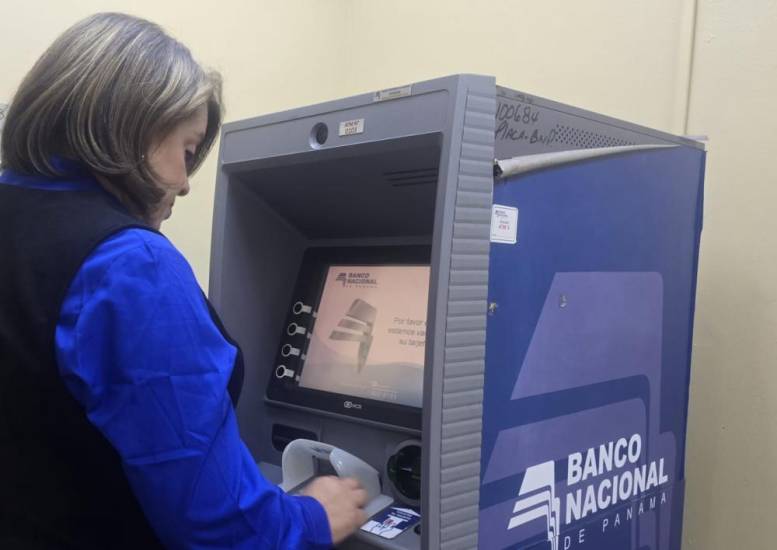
282,372
294,329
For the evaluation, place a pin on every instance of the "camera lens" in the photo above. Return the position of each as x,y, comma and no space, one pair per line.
319,134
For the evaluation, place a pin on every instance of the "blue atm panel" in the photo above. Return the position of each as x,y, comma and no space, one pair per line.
588,352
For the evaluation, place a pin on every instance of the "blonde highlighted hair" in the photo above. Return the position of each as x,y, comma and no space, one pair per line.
101,94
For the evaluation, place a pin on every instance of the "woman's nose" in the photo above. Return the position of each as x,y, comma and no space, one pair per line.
185,189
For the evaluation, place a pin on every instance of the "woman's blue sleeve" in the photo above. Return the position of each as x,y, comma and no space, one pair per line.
138,349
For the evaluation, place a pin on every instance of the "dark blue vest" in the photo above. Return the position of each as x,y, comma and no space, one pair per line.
61,482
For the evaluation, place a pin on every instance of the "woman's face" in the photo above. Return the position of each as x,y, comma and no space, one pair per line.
171,160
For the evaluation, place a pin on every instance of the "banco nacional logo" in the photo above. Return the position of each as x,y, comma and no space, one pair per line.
537,499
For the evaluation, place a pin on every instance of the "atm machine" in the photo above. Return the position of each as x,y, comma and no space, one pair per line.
477,301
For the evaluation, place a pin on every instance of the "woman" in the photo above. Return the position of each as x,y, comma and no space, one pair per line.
117,381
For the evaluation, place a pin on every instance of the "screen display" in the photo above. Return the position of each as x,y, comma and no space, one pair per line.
370,333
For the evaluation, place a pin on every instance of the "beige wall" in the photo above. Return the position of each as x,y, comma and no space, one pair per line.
625,58
732,449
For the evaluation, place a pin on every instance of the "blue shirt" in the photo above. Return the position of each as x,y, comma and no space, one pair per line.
137,347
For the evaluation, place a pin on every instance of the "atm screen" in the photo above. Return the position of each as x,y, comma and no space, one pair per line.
354,339
369,334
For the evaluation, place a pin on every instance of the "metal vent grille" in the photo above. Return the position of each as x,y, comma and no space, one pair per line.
465,330
400,178
585,139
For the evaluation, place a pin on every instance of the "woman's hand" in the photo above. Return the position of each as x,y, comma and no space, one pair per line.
343,500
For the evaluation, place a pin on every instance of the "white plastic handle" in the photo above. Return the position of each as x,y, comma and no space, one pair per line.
298,466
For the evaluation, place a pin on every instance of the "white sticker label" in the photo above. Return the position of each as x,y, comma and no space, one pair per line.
392,93
504,224
352,127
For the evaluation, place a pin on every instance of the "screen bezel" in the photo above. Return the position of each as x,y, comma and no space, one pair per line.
309,290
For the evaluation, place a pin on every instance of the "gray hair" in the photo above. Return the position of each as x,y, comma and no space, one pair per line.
101,94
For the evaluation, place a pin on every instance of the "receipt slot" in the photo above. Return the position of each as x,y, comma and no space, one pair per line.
473,300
